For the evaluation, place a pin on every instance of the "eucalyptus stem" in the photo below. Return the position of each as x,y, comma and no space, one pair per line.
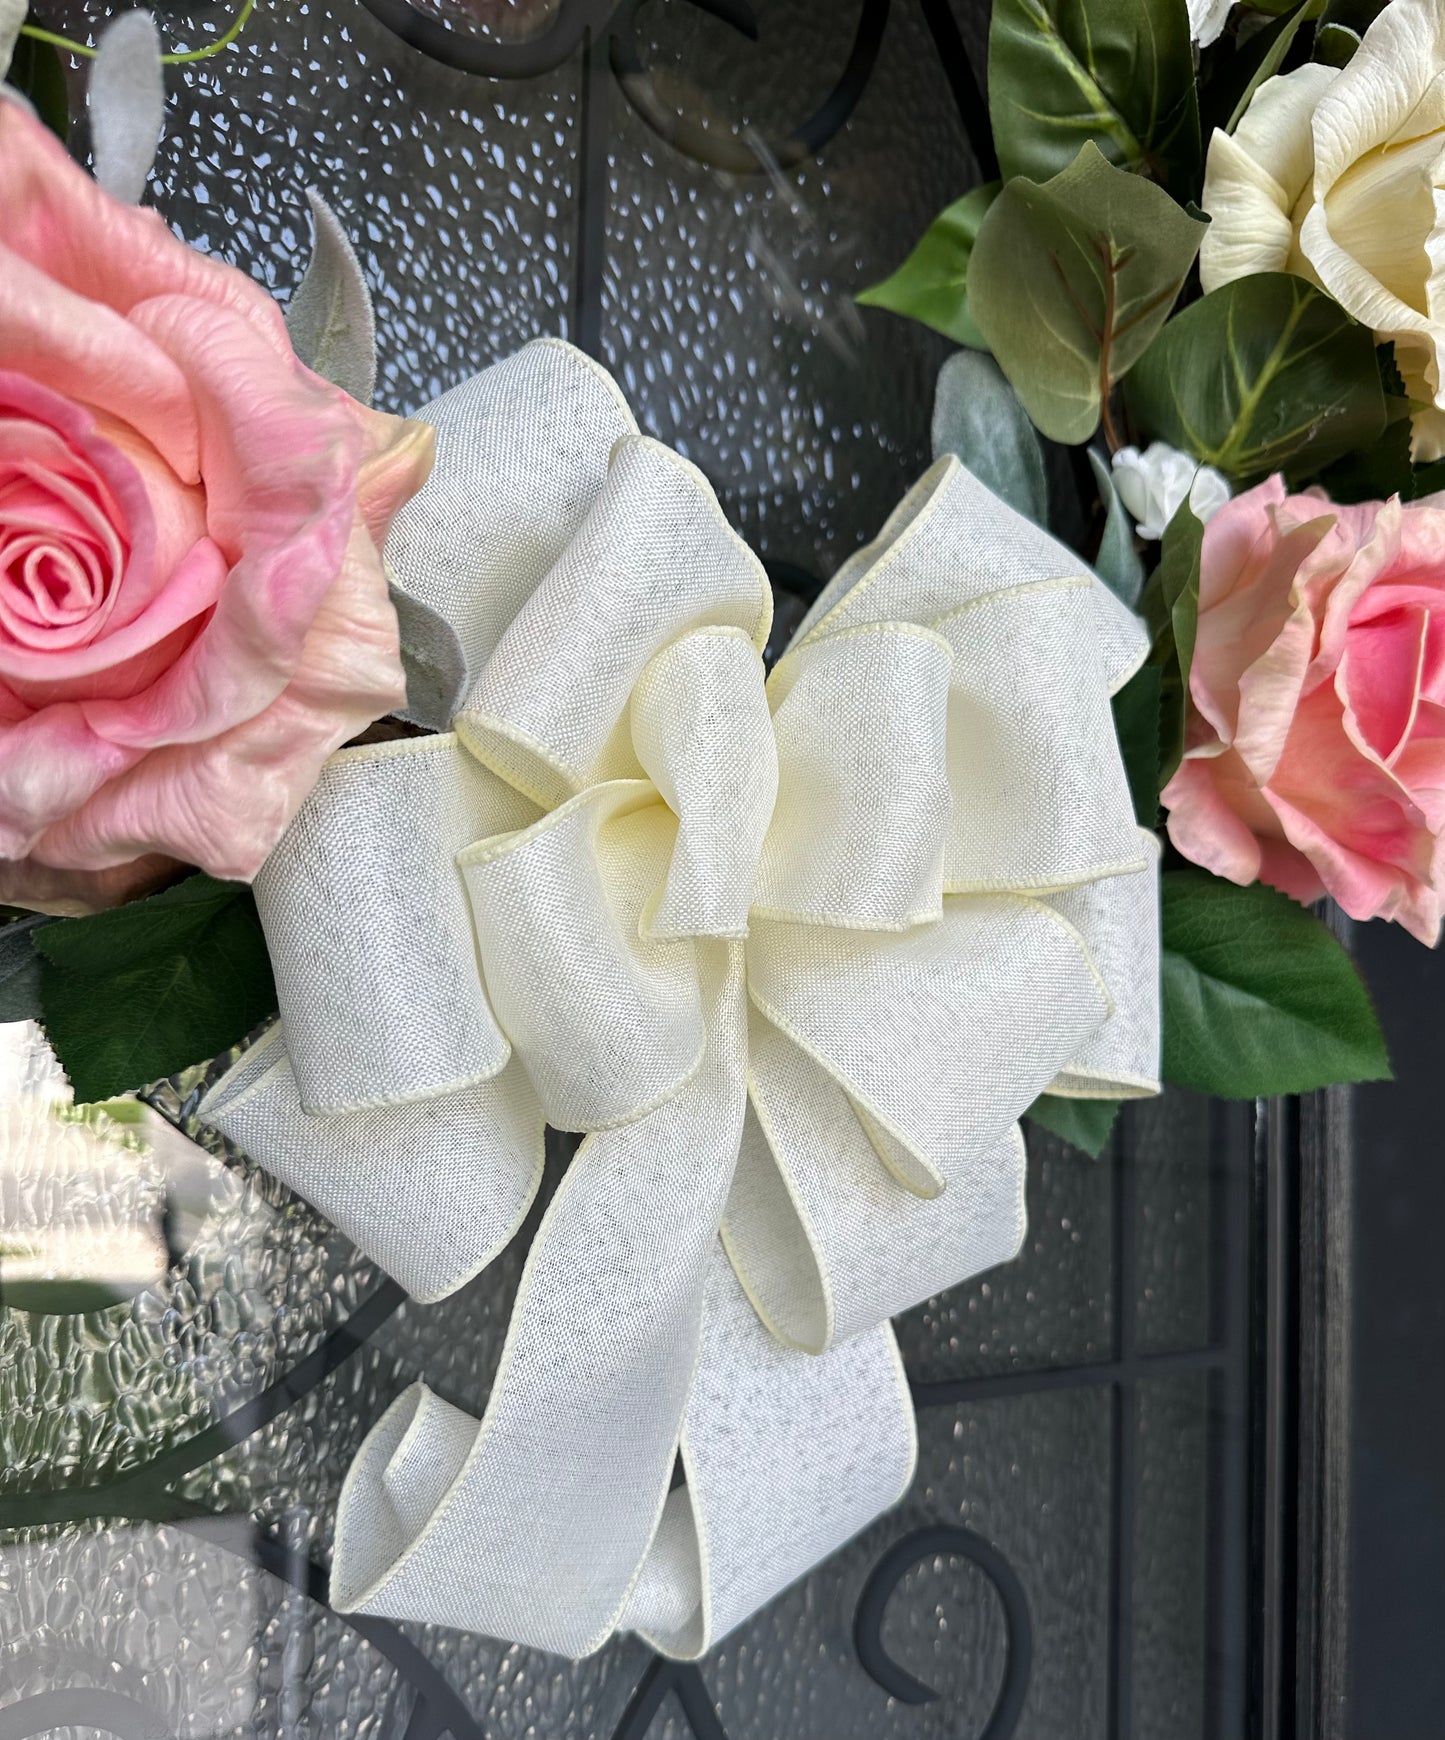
238,24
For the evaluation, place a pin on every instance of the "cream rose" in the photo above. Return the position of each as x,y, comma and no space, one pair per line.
1339,176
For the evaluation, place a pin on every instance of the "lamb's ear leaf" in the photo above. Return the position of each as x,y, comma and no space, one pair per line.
978,418
127,105
329,317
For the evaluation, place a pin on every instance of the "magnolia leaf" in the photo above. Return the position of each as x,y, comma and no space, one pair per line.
1083,1124
1171,608
1259,997
1071,281
1118,73
127,105
37,74
932,283
329,317
977,417
1118,563
1264,374
135,994
1136,723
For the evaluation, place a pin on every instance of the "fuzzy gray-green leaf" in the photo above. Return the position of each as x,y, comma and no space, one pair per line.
978,418
329,317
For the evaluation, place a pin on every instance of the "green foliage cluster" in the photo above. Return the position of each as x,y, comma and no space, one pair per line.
1072,285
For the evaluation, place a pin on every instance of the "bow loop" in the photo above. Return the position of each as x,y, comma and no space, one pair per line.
653,559
864,805
607,1021
702,731
370,936
522,453
934,1033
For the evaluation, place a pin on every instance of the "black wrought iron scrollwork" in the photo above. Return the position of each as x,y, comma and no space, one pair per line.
95,1709
747,156
488,58
900,1558
685,1683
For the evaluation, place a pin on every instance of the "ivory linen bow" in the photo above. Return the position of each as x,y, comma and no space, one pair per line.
795,955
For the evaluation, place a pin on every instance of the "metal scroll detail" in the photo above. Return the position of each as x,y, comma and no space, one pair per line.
746,156
491,59
900,1558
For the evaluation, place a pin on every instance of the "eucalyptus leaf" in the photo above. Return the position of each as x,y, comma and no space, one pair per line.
329,317
1083,1124
1171,608
1118,73
932,283
1070,281
1118,563
1136,722
977,417
1265,374
1259,998
134,994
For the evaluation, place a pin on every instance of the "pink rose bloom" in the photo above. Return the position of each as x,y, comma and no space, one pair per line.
1316,738
193,612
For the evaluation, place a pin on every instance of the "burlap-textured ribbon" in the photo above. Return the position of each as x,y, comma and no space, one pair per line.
795,954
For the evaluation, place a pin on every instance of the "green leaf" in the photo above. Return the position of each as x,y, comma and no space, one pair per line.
1071,281
1259,997
1335,44
1261,58
1083,1124
37,72
977,417
138,993
1171,608
1264,374
1136,722
1116,73
932,283
20,970
1118,563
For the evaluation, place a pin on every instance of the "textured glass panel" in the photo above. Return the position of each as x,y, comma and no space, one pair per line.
727,310
458,192
1170,1145
1171,1572
244,1382
1031,1475
1051,1306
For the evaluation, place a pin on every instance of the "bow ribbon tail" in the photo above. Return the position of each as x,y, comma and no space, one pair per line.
788,1455
533,1524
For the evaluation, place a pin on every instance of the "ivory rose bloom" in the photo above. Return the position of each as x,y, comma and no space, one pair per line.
1339,176
193,611
1316,741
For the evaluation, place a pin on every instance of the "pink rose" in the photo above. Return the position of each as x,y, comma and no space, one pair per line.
1316,757
193,611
